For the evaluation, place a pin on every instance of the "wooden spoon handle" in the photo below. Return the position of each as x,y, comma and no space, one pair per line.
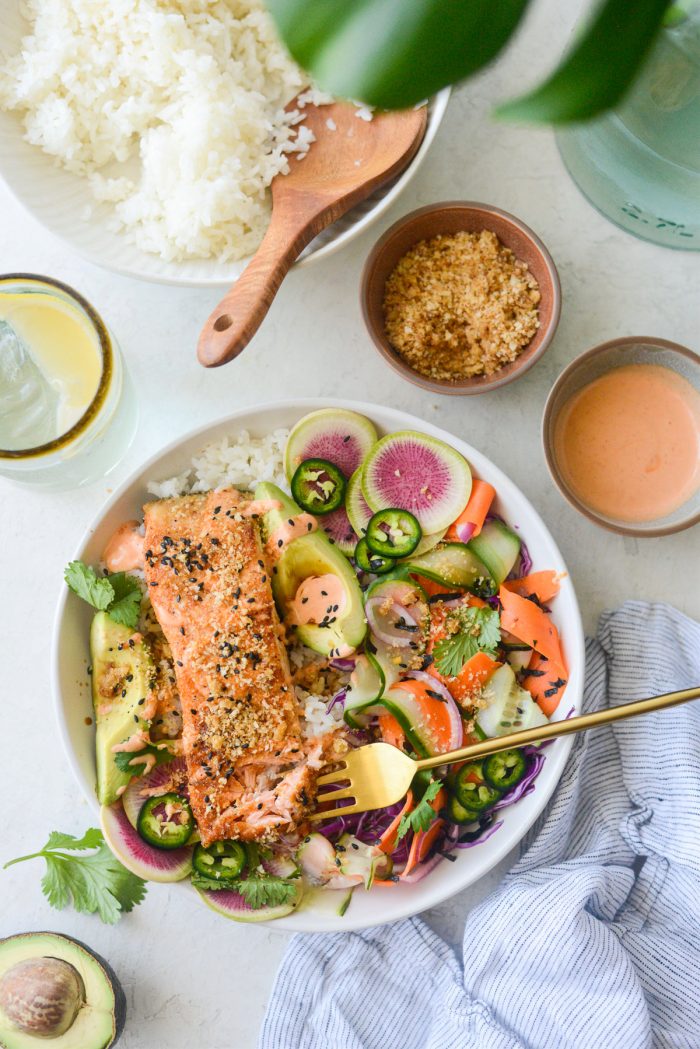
238,316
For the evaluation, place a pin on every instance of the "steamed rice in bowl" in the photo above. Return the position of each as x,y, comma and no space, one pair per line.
172,110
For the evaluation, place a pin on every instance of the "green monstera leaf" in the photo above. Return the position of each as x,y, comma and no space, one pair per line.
395,53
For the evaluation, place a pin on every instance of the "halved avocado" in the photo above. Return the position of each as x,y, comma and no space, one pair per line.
313,555
56,991
122,675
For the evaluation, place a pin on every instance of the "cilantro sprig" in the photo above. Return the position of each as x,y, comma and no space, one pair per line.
479,631
94,882
119,594
424,815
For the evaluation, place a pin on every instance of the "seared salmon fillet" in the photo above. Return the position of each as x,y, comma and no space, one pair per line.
210,589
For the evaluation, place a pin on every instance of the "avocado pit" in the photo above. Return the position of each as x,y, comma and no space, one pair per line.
42,996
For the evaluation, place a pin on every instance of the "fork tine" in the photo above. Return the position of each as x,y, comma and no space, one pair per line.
333,777
336,795
334,813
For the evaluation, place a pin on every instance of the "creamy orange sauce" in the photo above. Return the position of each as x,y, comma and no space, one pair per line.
146,764
135,742
628,444
258,507
319,598
124,551
291,529
150,707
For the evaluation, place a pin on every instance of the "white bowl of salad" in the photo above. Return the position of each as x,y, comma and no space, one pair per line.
284,584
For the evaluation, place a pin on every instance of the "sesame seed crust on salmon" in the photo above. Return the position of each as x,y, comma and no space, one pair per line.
251,776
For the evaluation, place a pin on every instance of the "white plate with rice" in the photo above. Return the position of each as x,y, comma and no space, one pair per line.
240,450
126,130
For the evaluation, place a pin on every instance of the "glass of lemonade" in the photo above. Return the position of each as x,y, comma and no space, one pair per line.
68,409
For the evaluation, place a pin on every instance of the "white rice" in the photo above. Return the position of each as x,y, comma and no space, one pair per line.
239,462
316,721
172,109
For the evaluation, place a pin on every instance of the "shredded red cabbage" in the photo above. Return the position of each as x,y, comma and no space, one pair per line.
525,566
367,826
345,664
339,697
488,833
527,783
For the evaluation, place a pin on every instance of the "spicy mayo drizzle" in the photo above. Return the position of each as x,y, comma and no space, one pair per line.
124,551
291,529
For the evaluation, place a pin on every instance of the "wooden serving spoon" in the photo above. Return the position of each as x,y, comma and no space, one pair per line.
350,158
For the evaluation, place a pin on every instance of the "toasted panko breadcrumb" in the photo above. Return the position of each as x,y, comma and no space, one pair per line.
460,305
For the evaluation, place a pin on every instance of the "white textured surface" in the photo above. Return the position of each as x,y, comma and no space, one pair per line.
204,985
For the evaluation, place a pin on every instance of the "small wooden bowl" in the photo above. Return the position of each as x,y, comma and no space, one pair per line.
454,217
591,365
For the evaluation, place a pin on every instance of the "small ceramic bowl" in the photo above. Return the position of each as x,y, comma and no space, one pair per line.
634,349
454,217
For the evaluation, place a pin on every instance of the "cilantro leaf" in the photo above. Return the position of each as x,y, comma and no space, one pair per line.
123,758
201,881
258,890
479,631
85,582
118,595
423,815
126,606
94,882
266,890
91,839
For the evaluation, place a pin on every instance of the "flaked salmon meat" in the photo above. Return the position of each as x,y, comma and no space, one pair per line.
250,773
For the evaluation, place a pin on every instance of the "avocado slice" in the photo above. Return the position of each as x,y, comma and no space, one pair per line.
55,991
312,555
122,676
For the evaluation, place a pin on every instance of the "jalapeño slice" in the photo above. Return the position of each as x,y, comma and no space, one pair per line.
166,821
393,533
504,770
318,486
371,562
471,789
222,860
457,813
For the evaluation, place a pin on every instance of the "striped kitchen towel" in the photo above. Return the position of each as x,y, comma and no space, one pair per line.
593,939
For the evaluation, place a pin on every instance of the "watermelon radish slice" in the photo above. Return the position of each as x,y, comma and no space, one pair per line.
163,778
341,437
337,527
138,857
233,905
420,474
356,506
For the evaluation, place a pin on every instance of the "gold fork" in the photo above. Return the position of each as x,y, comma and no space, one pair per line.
379,775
